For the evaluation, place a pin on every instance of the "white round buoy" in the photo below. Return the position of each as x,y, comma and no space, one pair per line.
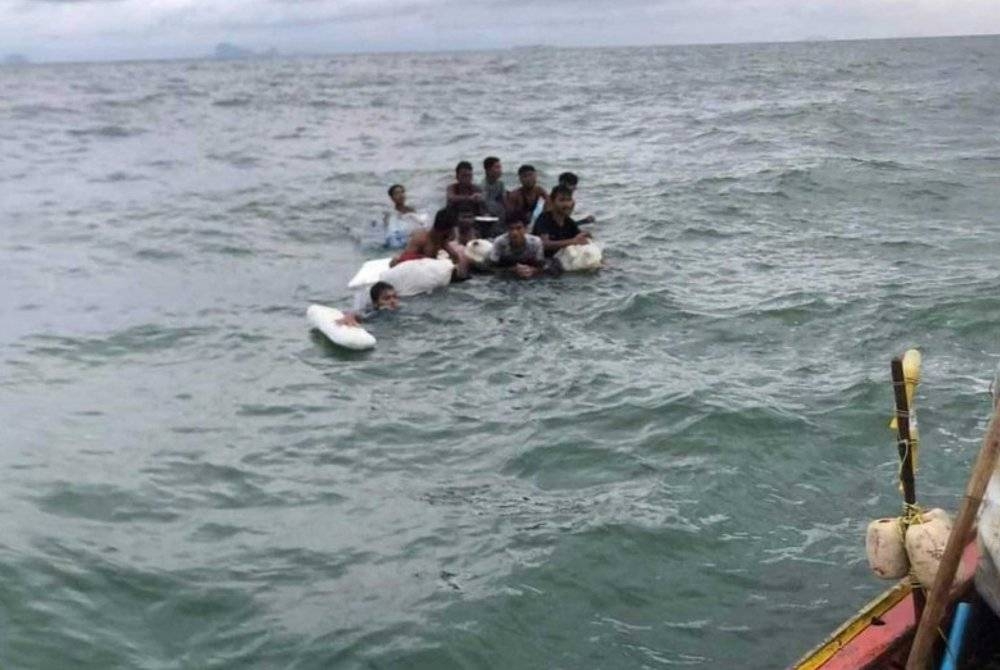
478,250
885,548
925,544
577,257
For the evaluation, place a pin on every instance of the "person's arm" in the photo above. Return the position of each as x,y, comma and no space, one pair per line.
454,198
349,319
554,245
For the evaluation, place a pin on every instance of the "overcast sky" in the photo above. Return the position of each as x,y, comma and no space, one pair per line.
101,29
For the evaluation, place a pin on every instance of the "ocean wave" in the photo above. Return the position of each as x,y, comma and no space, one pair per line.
109,131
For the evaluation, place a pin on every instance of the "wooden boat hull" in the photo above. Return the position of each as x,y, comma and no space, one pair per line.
879,635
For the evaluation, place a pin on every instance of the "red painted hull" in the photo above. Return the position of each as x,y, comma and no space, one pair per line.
880,635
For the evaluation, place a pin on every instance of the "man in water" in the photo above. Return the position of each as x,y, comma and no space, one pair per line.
463,192
518,252
398,196
494,195
521,202
381,296
429,243
555,227
570,180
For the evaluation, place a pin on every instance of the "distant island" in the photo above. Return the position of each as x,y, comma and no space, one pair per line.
15,59
230,51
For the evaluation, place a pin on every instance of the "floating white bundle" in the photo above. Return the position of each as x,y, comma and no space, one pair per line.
351,337
369,273
578,257
478,251
419,276
885,548
925,543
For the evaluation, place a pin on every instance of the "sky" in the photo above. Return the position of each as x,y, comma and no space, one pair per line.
45,30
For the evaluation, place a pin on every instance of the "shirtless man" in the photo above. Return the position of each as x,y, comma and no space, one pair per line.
463,192
521,202
555,227
429,243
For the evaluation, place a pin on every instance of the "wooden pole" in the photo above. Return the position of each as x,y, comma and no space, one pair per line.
904,444
923,644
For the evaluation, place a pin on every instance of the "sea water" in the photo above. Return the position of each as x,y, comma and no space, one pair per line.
669,462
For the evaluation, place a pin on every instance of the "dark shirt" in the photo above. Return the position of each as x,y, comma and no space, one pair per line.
546,225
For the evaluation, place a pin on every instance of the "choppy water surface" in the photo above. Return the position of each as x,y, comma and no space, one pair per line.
669,463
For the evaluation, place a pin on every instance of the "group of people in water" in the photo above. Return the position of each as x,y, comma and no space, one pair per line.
527,227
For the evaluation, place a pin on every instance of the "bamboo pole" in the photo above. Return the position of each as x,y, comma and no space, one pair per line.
903,397
923,644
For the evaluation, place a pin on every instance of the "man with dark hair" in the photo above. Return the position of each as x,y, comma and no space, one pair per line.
429,243
555,228
381,296
398,196
522,202
494,194
518,252
463,191
570,180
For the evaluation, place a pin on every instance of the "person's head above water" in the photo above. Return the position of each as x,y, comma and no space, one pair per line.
493,168
384,296
516,232
463,172
526,174
569,179
562,199
397,194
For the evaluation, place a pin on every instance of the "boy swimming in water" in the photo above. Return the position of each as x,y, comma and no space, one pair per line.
382,296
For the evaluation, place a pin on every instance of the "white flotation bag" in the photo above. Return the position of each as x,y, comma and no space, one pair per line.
419,276
399,227
925,544
577,257
885,549
369,273
478,251
325,320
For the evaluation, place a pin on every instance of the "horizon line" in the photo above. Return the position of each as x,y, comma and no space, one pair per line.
515,47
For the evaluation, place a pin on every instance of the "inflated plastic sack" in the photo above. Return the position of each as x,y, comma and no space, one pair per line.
419,276
885,549
925,544
399,227
577,257
478,251
351,337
